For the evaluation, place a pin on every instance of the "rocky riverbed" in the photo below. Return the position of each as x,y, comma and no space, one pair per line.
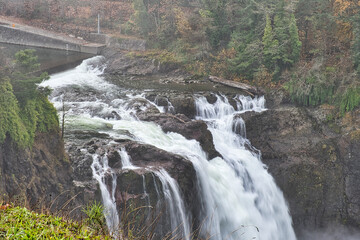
313,156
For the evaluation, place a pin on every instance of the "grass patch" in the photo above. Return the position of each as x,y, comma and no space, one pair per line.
20,223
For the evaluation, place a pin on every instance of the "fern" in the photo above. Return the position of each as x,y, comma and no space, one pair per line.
310,91
350,100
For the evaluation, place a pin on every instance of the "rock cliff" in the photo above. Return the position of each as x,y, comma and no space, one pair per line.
39,176
314,159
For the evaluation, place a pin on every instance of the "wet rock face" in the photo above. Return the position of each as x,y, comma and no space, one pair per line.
137,187
350,149
179,168
190,129
182,103
39,176
179,123
317,169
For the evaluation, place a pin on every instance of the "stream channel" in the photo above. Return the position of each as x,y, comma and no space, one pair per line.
109,130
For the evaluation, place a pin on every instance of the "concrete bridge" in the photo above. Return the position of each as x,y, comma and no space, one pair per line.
30,36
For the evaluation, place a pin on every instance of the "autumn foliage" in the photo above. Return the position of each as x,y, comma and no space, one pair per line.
303,45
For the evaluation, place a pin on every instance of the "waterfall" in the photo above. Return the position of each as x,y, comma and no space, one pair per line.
266,207
100,169
175,204
125,159
239,198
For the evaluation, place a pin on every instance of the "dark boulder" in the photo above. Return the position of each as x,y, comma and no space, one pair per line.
190,129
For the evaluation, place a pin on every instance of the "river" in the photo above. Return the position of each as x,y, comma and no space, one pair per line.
238,197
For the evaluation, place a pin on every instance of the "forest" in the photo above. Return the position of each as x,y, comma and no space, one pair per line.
309,48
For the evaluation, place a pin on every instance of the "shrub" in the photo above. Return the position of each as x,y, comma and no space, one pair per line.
350,100
95,217
311,90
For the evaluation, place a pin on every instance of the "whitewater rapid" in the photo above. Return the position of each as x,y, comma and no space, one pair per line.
239,198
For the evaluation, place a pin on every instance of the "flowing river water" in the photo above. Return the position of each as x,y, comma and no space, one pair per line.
239,198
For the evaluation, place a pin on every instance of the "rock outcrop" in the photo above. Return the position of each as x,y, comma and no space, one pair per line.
40,176
190,129
314,160
138,187
123,63
178,123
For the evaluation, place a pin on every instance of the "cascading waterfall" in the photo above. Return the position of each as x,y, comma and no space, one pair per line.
125,159
175,203
266,206
239,198
100,168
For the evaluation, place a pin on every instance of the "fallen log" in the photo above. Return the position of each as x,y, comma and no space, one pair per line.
251,90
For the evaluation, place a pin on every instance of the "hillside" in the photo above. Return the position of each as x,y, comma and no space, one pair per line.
309,49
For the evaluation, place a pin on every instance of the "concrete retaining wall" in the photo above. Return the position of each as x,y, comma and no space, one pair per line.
12,35
99,38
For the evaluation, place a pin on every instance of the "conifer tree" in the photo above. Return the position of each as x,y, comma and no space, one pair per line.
281,29
219,33
11,124
142,18
295,43
270,46
24,80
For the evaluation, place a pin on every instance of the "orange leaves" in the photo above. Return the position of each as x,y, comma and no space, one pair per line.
344,31
182,23
346,7
4,207
341,5
221,64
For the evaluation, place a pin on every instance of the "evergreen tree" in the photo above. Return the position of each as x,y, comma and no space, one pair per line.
247,23
27,61
142,18
248,57
270,46
295,42
281,29
24,80
219,32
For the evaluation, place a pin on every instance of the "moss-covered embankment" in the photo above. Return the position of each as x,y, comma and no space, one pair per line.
33,164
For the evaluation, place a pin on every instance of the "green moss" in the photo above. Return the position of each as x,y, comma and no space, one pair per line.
21,124
47,116
25,110
20,223
11,123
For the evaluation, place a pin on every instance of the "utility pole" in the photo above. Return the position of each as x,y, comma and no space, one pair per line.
98,23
